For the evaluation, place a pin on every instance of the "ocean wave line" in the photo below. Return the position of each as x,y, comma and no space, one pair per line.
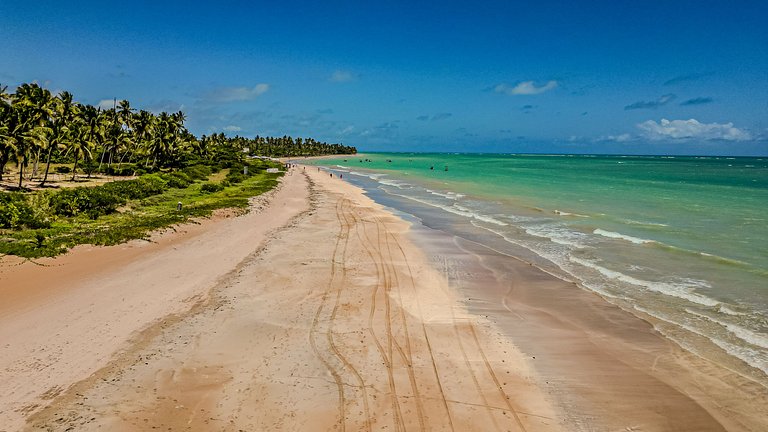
738,331
751,357
615,235
682,291
462,211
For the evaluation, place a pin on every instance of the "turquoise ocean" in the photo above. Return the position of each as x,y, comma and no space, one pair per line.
683,240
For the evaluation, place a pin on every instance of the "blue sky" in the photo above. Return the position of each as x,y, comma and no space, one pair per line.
608,77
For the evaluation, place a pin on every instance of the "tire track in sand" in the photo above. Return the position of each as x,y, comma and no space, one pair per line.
387,360
406,356
489,368
495,379
313,330
345,232
424,332
457,331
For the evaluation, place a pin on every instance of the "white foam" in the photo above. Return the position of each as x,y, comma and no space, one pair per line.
745,354
562,213
370,176
728,311
682,290
449,195
642,223
615,235
457,210
395,183
740,332
558,234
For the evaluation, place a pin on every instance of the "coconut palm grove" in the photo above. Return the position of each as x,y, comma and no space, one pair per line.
38,128
73,173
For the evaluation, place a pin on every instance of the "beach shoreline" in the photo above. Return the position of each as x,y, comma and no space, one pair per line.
589,385
407,328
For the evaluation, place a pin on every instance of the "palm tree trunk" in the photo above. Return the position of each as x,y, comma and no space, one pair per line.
34,165
21,173
74,169
3,161
47,166
127,152
101,160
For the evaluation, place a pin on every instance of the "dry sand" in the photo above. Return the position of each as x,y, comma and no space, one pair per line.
317,312
333,322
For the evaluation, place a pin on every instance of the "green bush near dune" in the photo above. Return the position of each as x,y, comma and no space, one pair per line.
177,180
47,223
93,202
19,211
211,187
198,172
139,188
105,199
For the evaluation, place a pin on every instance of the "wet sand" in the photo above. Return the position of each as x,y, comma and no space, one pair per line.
604,368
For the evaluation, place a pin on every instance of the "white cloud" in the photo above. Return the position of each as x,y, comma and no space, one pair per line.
616,138
232,128
681,129
525,88
106,104
234,94
347,130
342,76
165,105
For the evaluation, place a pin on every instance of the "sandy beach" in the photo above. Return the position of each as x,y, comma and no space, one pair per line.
321,310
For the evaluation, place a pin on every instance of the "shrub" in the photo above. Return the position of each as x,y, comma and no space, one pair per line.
9,215
120,171
234,178
39,212
93,202
211,187
236,175
197,172
19,211
63,169
132,189
177,180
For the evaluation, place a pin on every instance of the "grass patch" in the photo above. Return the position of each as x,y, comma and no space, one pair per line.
139,216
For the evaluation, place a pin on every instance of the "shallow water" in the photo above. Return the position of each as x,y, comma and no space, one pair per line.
681,239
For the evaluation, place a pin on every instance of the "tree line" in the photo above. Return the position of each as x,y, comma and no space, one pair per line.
38,128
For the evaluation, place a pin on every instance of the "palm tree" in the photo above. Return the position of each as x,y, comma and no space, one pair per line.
6,112
143,129
31,109
86,132
112,125
59,131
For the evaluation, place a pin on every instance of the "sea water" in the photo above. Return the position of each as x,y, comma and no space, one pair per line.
683,240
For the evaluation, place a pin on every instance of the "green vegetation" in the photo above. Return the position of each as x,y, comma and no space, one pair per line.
47,223
42,133
39,129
